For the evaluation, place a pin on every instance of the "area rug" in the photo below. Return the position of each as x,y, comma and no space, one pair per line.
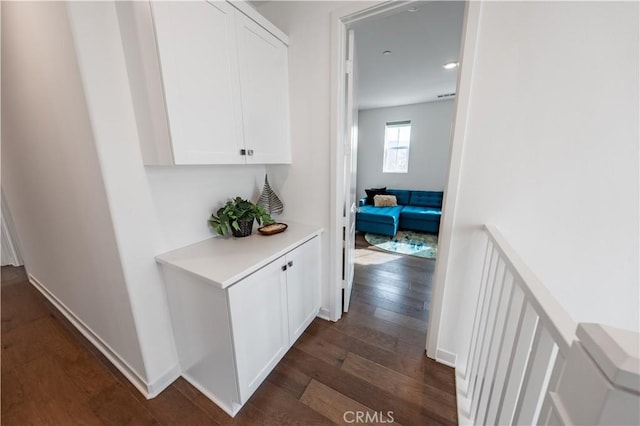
406,242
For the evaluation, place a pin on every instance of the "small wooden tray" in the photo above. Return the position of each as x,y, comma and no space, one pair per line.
273,228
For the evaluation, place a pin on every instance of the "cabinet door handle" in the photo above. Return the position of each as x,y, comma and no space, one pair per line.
243,152
290,263
250,152
284,267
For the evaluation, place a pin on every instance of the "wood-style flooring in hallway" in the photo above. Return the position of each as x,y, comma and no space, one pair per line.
370,361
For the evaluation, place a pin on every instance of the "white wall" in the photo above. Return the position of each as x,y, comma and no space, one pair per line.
304,186
51,176
550,156
106,88
429,150
184,197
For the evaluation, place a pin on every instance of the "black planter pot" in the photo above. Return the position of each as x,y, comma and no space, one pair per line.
246,227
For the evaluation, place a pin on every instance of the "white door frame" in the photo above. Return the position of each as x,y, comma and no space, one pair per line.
350,157
340,19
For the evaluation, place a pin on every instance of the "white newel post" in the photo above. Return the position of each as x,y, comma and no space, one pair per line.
600,384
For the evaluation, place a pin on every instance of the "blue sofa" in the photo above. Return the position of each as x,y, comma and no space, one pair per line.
416,210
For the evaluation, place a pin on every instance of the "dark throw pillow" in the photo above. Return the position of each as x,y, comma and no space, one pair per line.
373,192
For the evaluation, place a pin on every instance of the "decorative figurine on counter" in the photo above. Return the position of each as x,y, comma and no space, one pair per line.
269,200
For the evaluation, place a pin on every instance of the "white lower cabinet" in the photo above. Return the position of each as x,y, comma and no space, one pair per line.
229,339
303,287
258,307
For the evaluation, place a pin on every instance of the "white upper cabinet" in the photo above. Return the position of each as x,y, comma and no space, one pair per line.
222,79
264,89
198,57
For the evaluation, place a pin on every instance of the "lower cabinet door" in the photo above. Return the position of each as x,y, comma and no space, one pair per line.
258,307
303,286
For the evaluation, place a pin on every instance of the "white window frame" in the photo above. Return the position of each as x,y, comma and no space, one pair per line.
393,145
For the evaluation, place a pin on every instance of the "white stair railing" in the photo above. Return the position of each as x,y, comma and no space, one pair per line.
520,341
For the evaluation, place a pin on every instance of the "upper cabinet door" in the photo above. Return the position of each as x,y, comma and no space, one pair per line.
196,43
263,63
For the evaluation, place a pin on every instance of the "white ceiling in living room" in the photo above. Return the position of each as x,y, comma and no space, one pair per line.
420,42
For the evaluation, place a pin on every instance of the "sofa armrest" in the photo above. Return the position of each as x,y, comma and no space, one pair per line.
362,202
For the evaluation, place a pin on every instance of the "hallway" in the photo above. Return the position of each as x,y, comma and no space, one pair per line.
394,287
51,375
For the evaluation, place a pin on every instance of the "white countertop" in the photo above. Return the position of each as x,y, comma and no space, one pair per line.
225,260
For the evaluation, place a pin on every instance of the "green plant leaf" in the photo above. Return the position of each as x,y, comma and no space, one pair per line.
237,209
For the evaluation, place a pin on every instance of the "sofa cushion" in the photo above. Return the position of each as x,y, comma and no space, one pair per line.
385,200
423,213
402,195
379,214
372,192
425,199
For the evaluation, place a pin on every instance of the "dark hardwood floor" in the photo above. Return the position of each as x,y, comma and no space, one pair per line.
372,361
397,286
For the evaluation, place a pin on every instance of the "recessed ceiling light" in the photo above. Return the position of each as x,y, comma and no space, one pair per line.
413,9
450,65
386,52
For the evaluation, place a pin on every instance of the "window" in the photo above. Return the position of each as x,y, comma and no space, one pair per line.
397,138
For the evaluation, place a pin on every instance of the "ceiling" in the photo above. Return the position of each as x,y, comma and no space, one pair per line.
420,43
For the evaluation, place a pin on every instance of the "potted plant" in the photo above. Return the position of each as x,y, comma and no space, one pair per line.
237,216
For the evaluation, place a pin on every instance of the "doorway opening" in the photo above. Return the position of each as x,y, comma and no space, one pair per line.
360,121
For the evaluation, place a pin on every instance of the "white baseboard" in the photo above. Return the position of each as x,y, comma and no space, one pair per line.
463,403
446,358
163,382
230,410
148,390
324,314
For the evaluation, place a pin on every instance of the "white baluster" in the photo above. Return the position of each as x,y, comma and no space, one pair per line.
536,377
518,360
